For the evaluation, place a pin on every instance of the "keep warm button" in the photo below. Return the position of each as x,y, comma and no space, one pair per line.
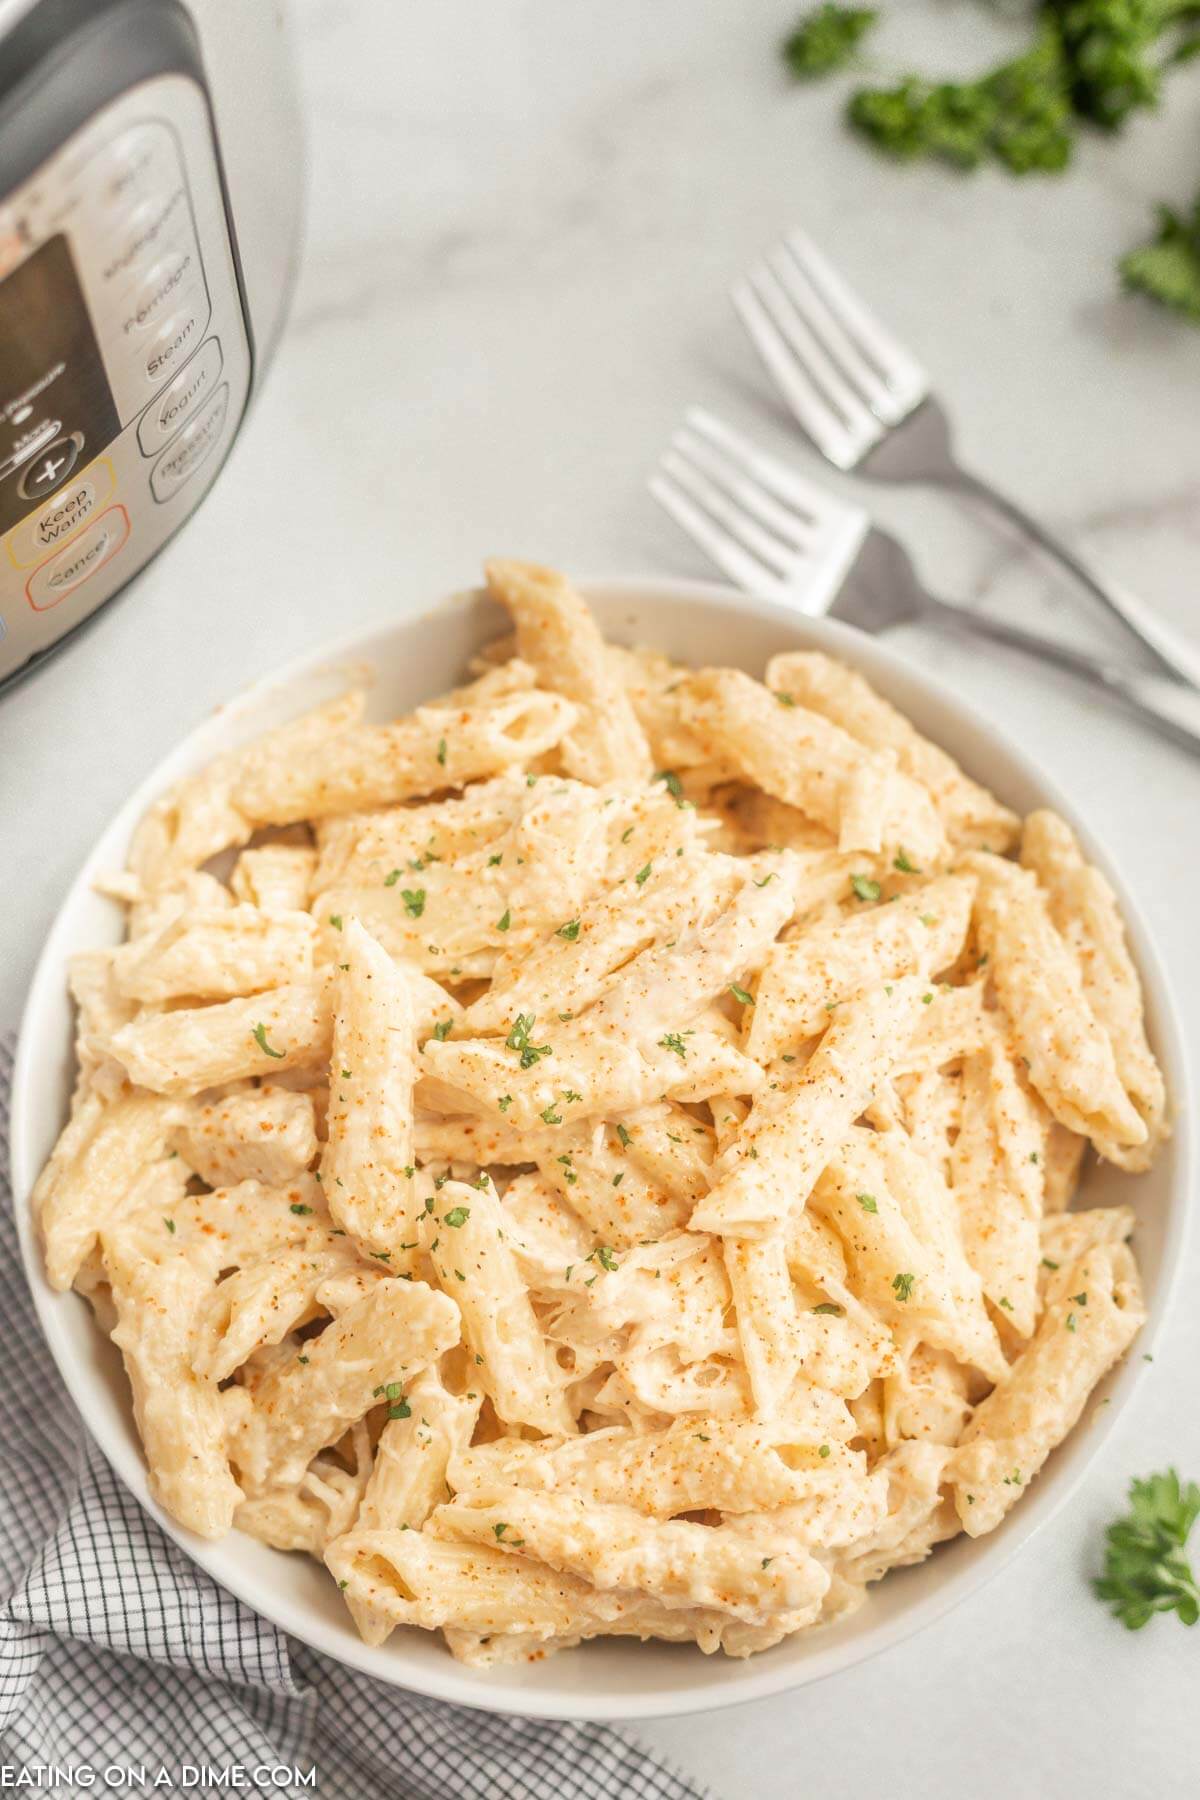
62,574
180,460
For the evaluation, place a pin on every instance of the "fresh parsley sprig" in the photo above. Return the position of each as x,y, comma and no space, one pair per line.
826,38
1145,1568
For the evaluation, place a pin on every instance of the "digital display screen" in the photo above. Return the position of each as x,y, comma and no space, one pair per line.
56,407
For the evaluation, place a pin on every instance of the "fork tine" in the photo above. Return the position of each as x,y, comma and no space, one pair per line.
802,533
777,558
782,291
738,564
777,477
905,380
844,362
827,430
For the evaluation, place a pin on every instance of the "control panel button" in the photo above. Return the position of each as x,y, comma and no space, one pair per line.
174,342
138,161
153,225
60,575
162,289
50,467
183,456
71,508
189,390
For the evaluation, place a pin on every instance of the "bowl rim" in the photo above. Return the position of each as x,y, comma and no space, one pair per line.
556,1699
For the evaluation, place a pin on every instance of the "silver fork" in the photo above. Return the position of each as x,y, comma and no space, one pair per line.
777,534
865,402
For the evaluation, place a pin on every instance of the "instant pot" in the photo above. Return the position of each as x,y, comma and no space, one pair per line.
150,181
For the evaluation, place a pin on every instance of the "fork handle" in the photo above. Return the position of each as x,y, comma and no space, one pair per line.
1172,654
1170,706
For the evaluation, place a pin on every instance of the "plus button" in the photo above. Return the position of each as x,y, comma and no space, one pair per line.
43,476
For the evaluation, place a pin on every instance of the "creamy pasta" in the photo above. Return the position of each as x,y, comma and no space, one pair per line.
594,1156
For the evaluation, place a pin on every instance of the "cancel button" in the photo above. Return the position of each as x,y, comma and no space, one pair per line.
193,445
193,385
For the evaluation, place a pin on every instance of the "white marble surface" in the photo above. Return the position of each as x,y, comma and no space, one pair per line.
524,218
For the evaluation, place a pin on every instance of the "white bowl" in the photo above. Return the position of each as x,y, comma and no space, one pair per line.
697,623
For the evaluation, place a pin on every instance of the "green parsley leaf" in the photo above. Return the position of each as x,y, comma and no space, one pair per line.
1145,1568
298,1207
768,877
518,1039
442,1029
441,752
900,861
414,901
259,1035
674,1041
902,1286
824,1450
549,1116
784,699
1167,269
624,1136
827,1306
391,878
740,994
569,931
504,1102
458,1215
335,919
505,920
865,888
643,875
674,785
170,1225
867,1202
825,39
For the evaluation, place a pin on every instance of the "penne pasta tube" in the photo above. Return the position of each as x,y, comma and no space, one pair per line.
792,1132
431,749
1080,1335
299,1407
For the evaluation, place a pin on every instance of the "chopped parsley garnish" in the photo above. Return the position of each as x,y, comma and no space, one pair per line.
643,875
569,931
259,1035
549,1116
867,1202
900,861
674,785
170,1225
458,1215
391,878
494,862
335,919
414,901
827,1306
605,1257
823,1451
674,1041
518,1039
505,920
865,888
784,699
625,1137
441,752
740,994
902,1286
298,1207
442,1029
765,879
504,1102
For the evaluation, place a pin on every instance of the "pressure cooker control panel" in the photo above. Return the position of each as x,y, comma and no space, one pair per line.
124,361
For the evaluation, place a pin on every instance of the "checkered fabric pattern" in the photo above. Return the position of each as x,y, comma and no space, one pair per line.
115,1649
